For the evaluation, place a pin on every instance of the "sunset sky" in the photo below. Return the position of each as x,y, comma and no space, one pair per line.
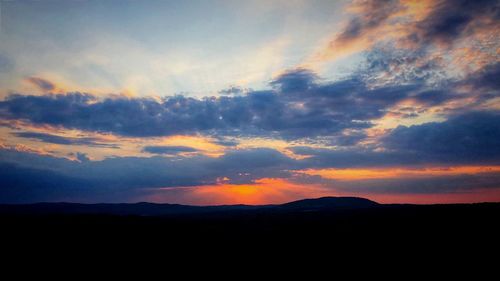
211,102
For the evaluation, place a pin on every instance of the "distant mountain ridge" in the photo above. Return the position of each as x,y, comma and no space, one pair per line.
331,202
154,209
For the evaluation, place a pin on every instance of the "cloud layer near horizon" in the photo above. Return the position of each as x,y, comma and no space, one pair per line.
465,140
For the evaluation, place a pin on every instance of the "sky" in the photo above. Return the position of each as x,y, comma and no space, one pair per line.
249,102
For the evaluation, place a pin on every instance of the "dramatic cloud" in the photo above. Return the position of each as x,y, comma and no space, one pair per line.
418,25
29,177
449,20
467,139
470,138
298,108
369,16
335,115
137,172
417,114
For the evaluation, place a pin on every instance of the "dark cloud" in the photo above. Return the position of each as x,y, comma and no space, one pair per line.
42,84
434,97
22,184
162,149
48,178
372,14
468,138
298,80
297,108
447,21
485,79
82,157
225,142
451,19
48,138
28,177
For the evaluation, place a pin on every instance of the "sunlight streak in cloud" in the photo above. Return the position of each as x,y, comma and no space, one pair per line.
398,172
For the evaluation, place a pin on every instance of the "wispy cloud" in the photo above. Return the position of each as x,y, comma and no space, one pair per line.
49,138
42,84
164,149
418,25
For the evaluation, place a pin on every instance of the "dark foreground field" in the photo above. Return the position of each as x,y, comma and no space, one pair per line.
326,225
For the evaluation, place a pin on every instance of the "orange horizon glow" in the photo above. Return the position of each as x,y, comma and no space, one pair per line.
263,191
278,191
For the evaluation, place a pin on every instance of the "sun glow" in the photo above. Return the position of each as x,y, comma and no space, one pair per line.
262,191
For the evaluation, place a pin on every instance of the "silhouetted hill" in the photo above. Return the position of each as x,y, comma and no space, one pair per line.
329,203
152,209
122,209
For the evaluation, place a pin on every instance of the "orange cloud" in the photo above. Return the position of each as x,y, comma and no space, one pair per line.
371,23
204,144
400,22
25,148
479,49
387,173
112,145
